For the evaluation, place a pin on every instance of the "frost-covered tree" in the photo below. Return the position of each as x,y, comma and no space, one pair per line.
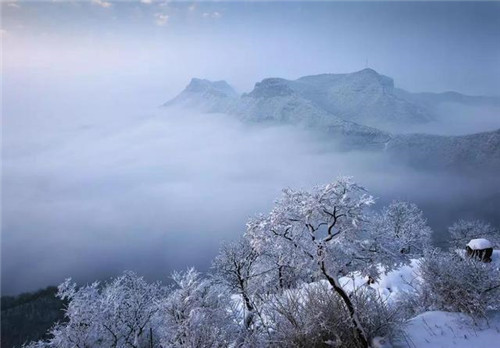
323,231
237,267
402,225
462,231
83,328
281,274
245,272
280,285
128,305
196,314
117,314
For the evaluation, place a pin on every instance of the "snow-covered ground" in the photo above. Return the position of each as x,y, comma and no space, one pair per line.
446,330
396,282
438,329
391,285
433,329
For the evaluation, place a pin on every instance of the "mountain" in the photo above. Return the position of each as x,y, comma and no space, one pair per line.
474,151
433,100
364,97
205,95
359,110
273,101
28,317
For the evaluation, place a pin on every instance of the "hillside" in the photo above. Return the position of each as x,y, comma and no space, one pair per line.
29,316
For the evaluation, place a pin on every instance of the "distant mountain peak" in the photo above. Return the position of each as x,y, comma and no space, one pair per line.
206,86
367,71
204,94
271,87
369,74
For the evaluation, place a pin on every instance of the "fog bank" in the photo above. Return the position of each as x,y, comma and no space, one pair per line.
163,191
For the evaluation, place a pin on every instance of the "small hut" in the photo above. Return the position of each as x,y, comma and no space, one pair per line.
480,248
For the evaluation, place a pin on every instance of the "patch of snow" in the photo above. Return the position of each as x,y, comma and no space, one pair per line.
390,286
398,281
381,342
446,330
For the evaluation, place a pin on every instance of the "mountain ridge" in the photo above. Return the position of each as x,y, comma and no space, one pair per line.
352,109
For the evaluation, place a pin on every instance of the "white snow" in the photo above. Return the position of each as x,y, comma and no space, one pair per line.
479,244
446,330
398,281
390,286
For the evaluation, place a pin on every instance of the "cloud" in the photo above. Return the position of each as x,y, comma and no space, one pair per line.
165,3
147,2
214,15
161,19
163,191
102,3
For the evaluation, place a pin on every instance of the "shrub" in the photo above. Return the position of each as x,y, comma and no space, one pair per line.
317,317
458,284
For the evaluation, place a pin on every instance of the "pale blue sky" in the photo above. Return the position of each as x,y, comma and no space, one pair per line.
422,45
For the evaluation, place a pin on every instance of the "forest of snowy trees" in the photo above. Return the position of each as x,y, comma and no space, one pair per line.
301,276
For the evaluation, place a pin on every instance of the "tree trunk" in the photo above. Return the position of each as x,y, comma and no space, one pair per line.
280,276
150,337
358,327
248,319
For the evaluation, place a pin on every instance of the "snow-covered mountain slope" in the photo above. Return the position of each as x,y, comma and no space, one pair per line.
365,97
433,100
206,96
272,101
369,98
330,103
480,150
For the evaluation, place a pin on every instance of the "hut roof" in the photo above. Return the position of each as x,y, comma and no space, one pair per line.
479,244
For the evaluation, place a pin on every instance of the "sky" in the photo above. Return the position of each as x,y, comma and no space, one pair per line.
424,46
97,179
